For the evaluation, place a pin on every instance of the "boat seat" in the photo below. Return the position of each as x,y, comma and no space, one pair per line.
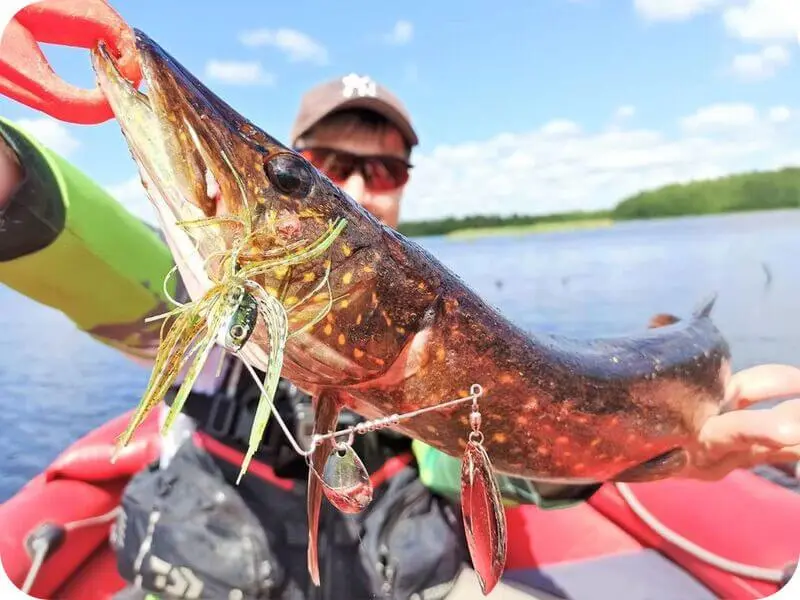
626,576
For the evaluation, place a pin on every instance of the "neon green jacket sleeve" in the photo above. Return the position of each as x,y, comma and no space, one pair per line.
441,473
68,244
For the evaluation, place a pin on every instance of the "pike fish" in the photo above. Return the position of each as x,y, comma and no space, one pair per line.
367,319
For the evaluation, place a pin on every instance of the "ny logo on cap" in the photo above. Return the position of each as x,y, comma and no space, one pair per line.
358,85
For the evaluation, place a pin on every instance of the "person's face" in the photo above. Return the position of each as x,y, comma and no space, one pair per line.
382,203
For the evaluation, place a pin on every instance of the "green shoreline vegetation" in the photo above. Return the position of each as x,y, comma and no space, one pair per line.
753,191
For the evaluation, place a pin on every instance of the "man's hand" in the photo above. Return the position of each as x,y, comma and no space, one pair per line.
10,174
742,438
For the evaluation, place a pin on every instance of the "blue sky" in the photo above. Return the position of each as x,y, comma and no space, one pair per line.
522,106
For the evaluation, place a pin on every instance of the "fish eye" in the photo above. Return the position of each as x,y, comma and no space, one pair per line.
238,332
290,174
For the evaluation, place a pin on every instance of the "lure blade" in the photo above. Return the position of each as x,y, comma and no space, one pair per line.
345,480
484,517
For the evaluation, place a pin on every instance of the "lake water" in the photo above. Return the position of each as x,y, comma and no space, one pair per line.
56,384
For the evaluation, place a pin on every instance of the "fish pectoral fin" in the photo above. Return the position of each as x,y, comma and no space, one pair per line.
326,415
662,466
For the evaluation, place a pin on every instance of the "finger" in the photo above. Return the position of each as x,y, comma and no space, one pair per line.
722,467
763,382
774,427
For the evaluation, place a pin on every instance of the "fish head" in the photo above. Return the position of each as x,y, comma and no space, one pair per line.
201,161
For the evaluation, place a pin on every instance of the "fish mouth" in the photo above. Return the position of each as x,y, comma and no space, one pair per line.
170,162
197,157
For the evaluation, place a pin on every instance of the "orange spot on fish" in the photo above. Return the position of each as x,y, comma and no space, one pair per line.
450,305
341,339
562,440
344,303
522,420
359,318
328,329
309,276
374,299
440,353
347,277
506,378
400,330
579,468
595,442
543,450
368,269
358,353
500,438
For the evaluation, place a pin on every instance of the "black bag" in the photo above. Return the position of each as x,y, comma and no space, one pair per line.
184,532
414,541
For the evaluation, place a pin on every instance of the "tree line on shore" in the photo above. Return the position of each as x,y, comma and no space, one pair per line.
761,190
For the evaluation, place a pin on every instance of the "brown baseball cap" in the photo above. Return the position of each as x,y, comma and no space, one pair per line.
351,91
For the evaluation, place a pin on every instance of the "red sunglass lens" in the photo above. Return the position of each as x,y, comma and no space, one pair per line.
381,174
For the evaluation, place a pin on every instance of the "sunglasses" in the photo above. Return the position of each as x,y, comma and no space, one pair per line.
380,173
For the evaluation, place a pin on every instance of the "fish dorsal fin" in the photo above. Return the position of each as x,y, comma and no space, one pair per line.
704,309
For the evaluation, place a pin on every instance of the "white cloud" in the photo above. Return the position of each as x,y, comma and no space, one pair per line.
296,45
559,127
131,194
538,172
720,117
238,72
779,114
401,33
764,20
625,111
762,64
51,133
751,20
674,10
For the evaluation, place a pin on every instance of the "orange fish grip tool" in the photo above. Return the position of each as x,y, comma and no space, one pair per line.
27,77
